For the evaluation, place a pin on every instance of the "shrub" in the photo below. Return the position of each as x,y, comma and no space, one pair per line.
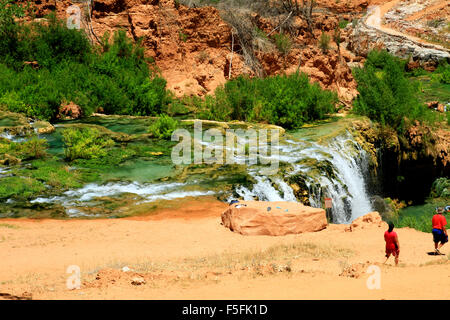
287,100
343,23
32,149
114,76
86,143
20,187
163,127
440,188
385,94
283,43
9,28
443,72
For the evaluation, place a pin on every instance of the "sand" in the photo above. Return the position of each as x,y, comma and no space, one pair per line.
185,253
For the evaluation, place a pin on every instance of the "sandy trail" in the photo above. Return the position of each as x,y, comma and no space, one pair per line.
375,19
429,9
36,254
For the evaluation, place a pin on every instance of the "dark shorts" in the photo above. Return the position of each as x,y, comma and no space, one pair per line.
439,236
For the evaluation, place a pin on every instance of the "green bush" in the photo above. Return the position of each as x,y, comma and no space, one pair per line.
343,23
20,187
32,149
385,94
286,100
283,43
85,143
163,127
114,76
443,72
440,188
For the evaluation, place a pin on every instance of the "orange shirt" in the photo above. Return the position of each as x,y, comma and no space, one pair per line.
438,221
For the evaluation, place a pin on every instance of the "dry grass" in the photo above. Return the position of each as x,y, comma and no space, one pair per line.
278,256
9,226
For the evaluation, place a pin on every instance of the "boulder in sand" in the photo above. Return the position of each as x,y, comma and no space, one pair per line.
368,220
254,218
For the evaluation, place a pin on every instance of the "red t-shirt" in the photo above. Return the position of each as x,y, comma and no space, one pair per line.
438,221
389,237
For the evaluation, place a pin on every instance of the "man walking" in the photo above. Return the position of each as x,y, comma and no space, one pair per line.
440,236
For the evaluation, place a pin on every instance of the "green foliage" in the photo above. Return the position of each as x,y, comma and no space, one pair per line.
442,73
183,36
343,23
421,223
163,127
115,76
19,187
283,43
385,94
86,143
440,188
419,217
54,173
9,28
287,100
32,149
324,42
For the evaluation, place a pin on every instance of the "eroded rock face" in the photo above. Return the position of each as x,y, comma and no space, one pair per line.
253,218
191,46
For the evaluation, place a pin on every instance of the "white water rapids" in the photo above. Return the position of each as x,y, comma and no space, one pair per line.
348,192
346,185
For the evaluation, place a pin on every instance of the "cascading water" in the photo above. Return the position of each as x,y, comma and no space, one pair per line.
333,169
345,185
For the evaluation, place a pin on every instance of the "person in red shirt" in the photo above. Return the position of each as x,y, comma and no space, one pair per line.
439,232
392,244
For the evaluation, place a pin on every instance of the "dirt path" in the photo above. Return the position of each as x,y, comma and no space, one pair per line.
186,253
375,19
438,5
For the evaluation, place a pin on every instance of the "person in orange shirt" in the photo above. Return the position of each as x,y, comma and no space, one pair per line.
392,244
439,232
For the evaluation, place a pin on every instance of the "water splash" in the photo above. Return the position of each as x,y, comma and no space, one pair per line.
346,186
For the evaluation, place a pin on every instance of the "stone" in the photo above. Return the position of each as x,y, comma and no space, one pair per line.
254,218
367,220
137,281
70,111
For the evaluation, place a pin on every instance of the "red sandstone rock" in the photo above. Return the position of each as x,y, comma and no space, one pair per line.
254,219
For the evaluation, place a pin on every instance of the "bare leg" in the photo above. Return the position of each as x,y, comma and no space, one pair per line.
396,259
387,258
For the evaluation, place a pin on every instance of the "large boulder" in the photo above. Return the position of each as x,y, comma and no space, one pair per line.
253,218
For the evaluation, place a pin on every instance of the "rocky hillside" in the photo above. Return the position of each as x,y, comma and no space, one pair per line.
199,48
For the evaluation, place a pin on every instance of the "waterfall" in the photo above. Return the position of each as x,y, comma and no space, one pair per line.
346,186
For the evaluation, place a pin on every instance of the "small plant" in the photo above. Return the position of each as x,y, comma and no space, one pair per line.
343,23
283,43
324,42
86,143
183,36
163,127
